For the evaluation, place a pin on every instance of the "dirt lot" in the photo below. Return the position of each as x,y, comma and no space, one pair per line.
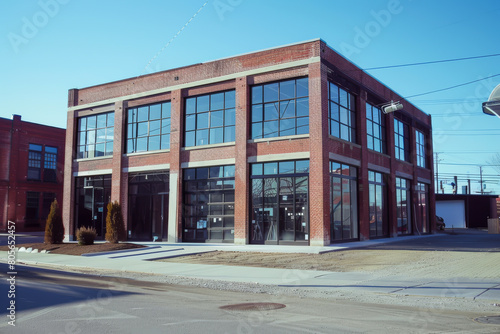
76,249
384,262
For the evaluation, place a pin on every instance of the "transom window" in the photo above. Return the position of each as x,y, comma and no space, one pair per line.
210,119
95,135
341,113
401,140
421,161
375,129
280,109
148,128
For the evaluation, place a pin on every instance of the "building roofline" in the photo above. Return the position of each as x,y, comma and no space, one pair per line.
206,62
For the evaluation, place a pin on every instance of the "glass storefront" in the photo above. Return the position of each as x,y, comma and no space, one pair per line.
378,210
93,193
148,206
208,210
280,202
343,202
403,206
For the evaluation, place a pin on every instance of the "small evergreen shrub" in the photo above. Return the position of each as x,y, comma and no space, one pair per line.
86,235
54,228
115,231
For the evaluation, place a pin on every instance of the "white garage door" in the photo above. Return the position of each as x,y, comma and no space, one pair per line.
453,213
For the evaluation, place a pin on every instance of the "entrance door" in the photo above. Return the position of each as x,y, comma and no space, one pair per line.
280,210
159,210
94,210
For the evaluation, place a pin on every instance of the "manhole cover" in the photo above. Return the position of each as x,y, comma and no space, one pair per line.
489,320
253,307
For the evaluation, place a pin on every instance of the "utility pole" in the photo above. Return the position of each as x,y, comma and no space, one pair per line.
481,178
438,186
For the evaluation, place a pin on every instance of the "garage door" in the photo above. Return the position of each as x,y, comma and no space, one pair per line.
453,213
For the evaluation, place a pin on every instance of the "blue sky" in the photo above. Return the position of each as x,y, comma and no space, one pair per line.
50,46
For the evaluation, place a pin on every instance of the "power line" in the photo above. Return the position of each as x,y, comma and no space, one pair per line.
431,62
451,87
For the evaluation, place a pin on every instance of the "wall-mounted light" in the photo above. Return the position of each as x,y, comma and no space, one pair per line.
492,106
391,107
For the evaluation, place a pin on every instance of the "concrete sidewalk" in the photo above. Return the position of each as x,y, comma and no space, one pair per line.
139,260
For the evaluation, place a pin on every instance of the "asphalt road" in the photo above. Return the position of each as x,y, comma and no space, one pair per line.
49,301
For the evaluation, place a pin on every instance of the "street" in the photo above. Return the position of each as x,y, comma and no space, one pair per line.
49,301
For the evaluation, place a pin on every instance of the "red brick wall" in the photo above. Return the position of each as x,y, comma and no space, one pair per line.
14,183
331,67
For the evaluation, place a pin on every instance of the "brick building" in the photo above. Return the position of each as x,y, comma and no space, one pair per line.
283,146
31,172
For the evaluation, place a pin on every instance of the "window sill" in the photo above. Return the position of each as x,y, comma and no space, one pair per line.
94,158
146,152
344,141
263,140
379,153
201,147
405,162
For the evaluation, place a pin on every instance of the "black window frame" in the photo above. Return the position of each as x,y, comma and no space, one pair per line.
378,219
209,204
420,140
341,113
153,131
35,153
265,175
205,117
375,129
347,176
401,140
90,127
277,95
403,186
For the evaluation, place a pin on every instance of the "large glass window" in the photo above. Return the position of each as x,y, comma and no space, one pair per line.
403,204
210,119
148,128
95,135
280,205
344,202
280,109
50,164
341,113
420,138
208,204
34,162
375,129
401,140
377,210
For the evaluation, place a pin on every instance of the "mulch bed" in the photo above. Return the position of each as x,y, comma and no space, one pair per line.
75,248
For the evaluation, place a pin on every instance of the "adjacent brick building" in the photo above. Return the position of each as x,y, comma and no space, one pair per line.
283,146
31,172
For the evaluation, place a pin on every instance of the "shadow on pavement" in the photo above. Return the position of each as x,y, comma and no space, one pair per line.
459,240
